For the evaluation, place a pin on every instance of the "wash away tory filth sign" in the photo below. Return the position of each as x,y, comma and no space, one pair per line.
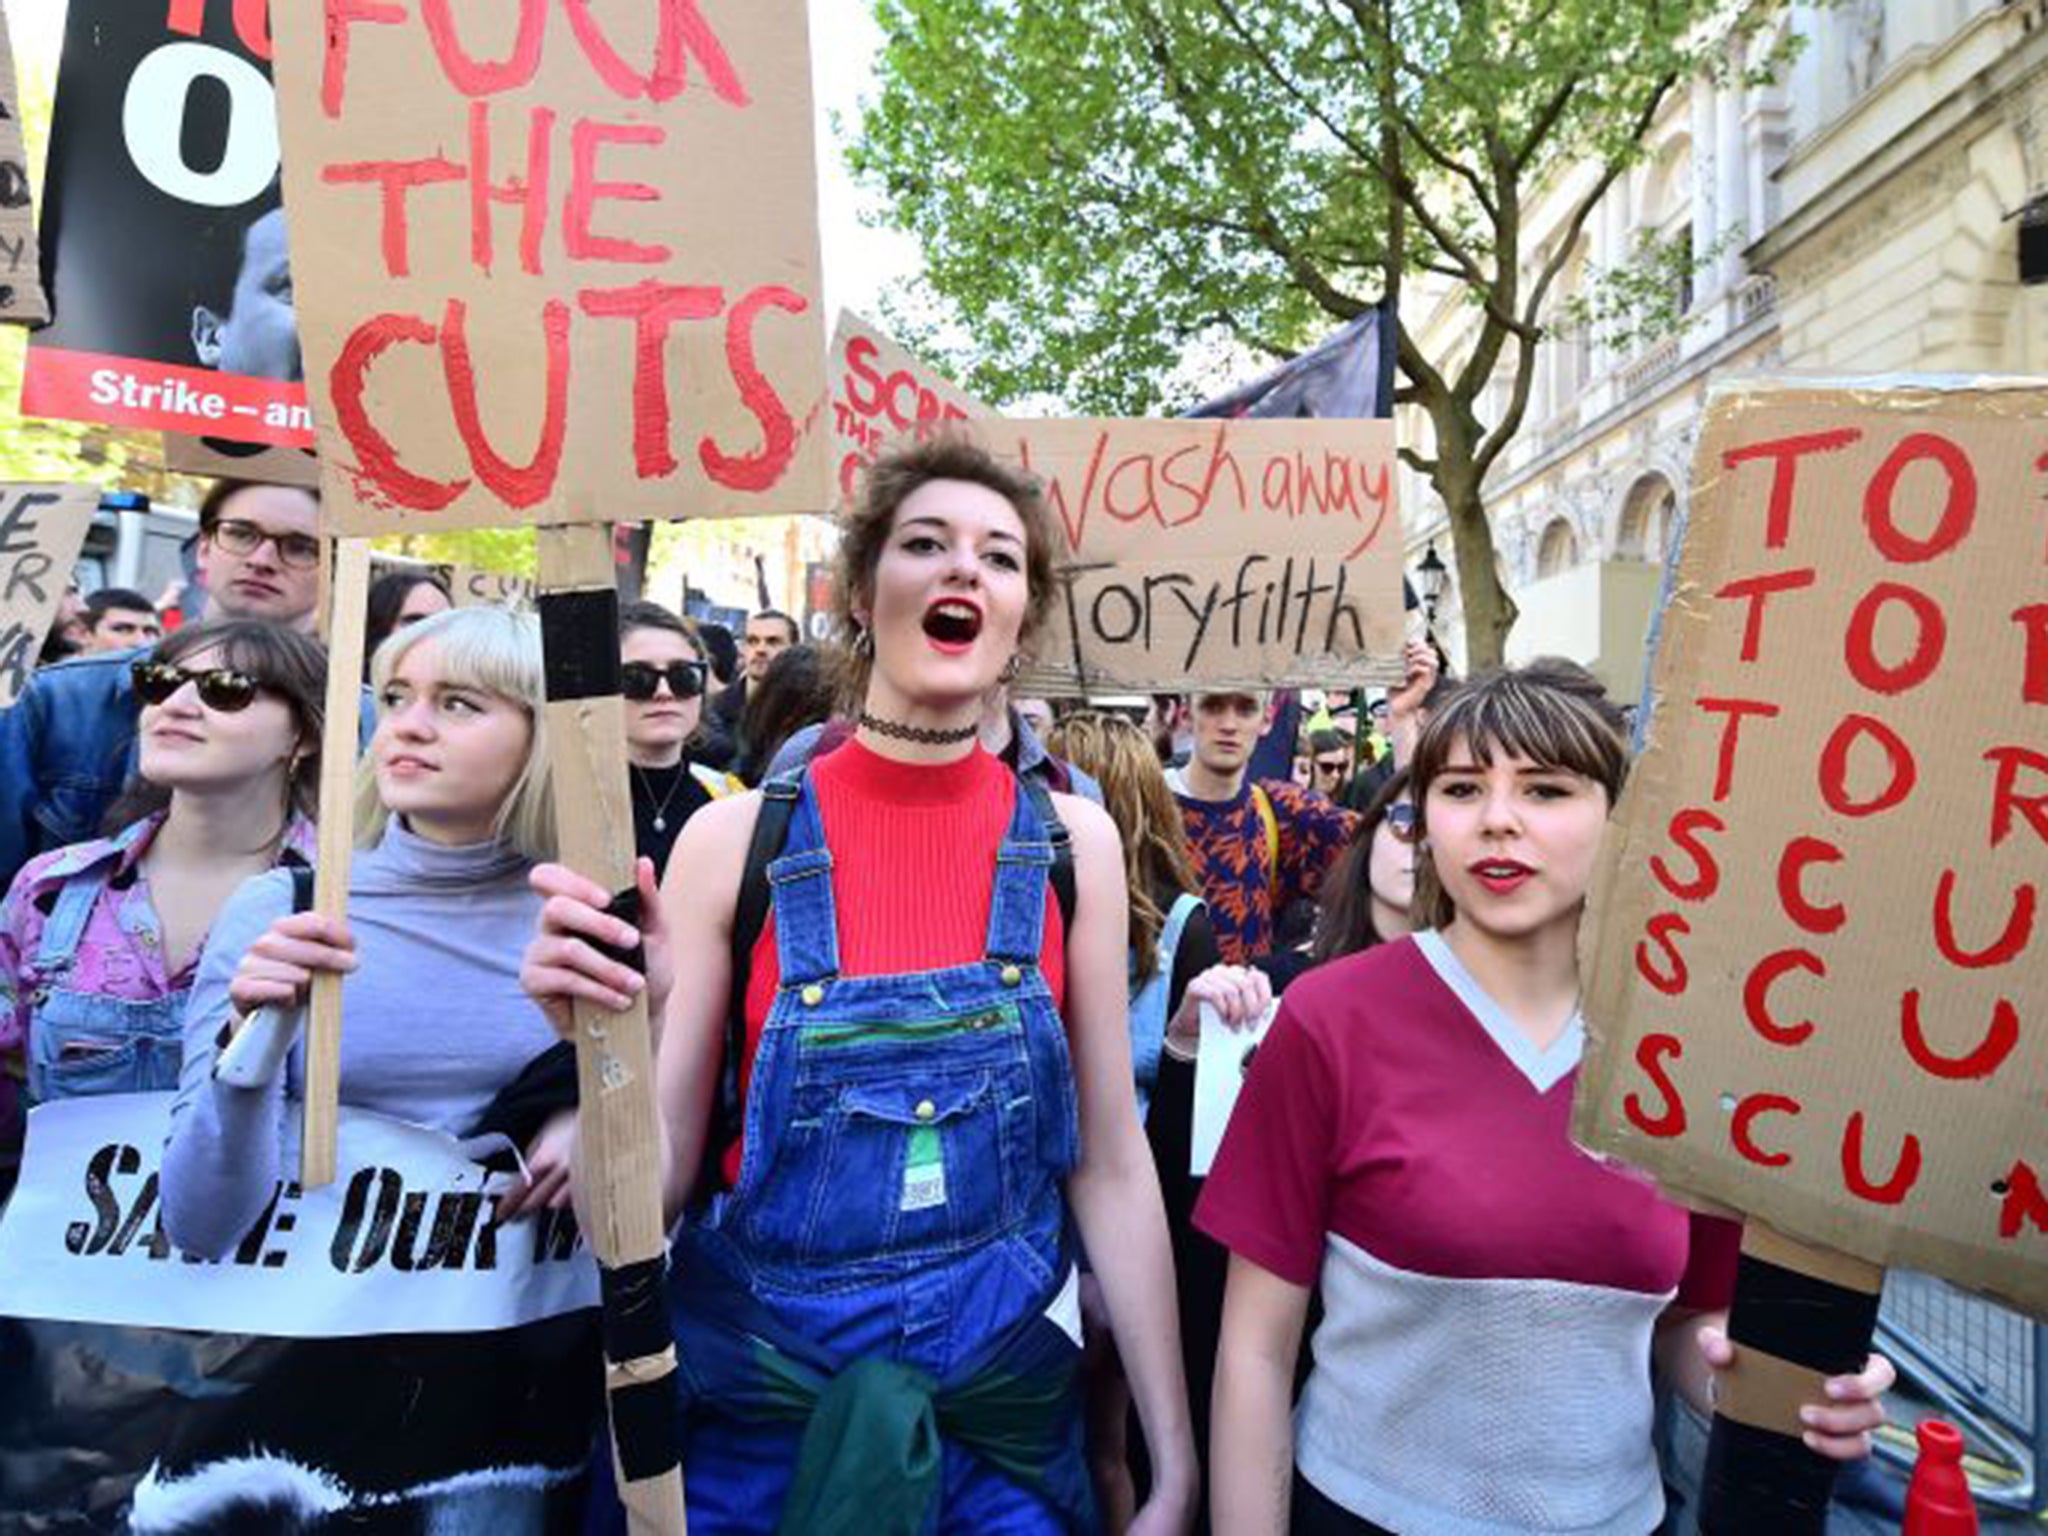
1818,969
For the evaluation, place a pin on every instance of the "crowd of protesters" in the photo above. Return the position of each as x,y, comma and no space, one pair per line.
928,968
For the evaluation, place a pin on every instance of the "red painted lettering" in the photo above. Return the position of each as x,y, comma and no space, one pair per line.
1663,930
1792,864
1736,710
1650,1053
187,18
341,15
1987,1057
652,307
2006,799
1895,1188
376,460
585,191
1860,644
2024,1203
1957,514
2034,677
1785,454
468,75
529,194
684,32
1756,994
1745,1116
1834,767
1758,590
397,178
1684,833
517,485
2018,930
762,468
860,361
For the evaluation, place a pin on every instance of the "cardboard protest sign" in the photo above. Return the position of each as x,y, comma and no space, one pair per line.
1815,972
880,392
556,266
42,528
474,588
380,1353
21,281
218,458
1252,554
163,232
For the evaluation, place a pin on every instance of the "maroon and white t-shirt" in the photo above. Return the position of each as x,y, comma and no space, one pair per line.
1490,1290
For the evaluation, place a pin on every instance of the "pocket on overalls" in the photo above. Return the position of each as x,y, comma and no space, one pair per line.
81,1045
912,1163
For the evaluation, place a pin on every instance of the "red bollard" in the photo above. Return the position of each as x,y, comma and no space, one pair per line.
1938,1501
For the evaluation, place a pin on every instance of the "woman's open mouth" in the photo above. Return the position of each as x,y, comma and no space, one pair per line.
952,624
1502,876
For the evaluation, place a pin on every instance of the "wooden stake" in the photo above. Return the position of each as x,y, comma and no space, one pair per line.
338,746
1801,1315
620,1152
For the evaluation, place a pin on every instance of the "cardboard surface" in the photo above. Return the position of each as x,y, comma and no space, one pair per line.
474,588
223,458
1816,964
880,392
42,528
22,300
556,263
1248,553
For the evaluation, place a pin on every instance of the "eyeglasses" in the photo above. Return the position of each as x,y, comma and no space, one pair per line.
300,551
1403,820
638,680
220,688
1331,769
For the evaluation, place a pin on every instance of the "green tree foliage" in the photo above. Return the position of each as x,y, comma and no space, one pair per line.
1098,183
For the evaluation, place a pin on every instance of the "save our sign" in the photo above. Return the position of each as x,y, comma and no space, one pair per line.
1818,971
565,258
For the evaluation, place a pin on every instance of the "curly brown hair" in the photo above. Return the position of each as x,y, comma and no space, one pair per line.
900,472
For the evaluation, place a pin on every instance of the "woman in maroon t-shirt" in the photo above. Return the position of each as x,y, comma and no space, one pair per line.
1491,1293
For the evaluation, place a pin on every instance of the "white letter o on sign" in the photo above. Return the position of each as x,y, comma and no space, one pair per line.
153,124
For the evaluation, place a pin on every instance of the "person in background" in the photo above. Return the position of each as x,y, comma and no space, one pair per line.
768,634
1036,713
930,1077
452,812
1173,972
67,630
117,619
1329,763
99,941
1369,891
721,654
1493,1298
796,691
661,677
67,744
399,600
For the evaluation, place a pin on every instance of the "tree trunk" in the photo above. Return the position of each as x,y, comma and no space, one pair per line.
1488,610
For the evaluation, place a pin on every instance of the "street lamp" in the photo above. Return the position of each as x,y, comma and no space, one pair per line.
1433,577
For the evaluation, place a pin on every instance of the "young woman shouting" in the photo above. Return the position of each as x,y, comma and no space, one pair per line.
876,1303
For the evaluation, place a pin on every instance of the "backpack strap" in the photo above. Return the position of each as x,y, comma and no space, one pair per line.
1062,873
1264,805
749,917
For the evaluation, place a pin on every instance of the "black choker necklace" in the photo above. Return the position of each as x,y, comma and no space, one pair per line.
923,735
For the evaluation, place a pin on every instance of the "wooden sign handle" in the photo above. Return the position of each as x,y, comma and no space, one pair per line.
339,742
620,1152
1801,1315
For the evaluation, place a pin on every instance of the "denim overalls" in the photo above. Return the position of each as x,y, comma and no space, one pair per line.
80,1042
899,1198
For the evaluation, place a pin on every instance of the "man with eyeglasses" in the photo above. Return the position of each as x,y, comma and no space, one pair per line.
68,744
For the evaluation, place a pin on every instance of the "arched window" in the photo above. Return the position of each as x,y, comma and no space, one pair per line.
1557,550
1648,517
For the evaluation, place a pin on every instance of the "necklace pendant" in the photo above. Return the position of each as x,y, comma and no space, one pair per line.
661,824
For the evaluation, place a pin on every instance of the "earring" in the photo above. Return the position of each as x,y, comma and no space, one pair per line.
864,642
1012,667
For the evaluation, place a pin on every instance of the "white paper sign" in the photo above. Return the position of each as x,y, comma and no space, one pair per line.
1221,1062
403,1241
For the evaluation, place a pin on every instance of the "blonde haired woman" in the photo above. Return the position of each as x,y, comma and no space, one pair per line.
452,813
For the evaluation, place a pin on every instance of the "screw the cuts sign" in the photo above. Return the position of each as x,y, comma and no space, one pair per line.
1818,969
557,261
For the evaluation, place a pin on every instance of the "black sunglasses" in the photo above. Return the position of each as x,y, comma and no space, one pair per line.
638,680
220,688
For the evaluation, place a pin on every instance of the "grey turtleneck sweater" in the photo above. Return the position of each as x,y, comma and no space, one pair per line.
433,1022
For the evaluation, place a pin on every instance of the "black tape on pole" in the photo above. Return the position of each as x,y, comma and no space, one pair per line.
1800,1318
579,637
647,1428
635,1310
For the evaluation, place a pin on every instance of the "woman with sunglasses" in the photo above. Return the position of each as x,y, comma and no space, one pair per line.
99,941
452,811
662,676
874,1293
1495,1301
1368,894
